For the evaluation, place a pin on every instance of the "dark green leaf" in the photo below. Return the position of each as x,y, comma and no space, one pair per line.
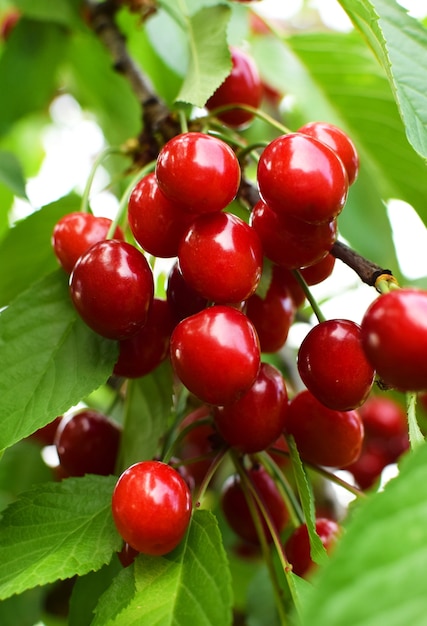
398,39
191,585
11,174
26,252
87,590
64,12
28,69
57,530
50,358
376,574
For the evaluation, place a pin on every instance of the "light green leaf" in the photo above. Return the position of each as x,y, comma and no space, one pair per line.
210,61
11,173
64,12
26,252
191,585
376,575
148,408
398,40
57,530
49,358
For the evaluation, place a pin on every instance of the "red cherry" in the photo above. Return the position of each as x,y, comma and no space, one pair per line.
273,315
151,507
297,547
216,355
112,288
319,271
386,426
156,223
394,338
236,510
257,419
199,441
324,436
183,299
199,172
87,443
46,435
127,555
220,257
144,351
242,86
340,143
367,469
75,233
333,366
289,242
302,178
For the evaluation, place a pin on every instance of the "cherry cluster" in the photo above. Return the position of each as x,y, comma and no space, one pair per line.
232,293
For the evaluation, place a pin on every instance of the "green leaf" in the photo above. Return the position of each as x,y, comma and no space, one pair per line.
210,61
148,408
11,174
87,590
26,252
55,531
317,550
398,39
28,69
191,585
64,12
50,358
376,574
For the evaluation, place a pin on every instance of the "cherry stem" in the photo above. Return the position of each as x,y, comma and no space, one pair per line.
258,509
313,303
209,475
336,479
416,437
122,208
370,273
203,421
262,115
84,206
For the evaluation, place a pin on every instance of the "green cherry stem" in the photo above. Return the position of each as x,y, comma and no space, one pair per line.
262,115
209,475
122,208
84,206
416,438
315,307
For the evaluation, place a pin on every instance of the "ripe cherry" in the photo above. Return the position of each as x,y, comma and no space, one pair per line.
237,512
394,338
156,223
340,143
272,315
215,354
112,288
46,435
319,271
257,419
144,351
289,242
151,507
302,178
242,86
220,257
199,172
75,233
297,547
183,300
87,443
324,436
333,365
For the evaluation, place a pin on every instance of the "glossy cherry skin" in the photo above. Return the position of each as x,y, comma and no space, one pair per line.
182,298
319,271
156,223
324,436
297,547
394,338
386,426
215,354
199,172
289,242
340,143
256,420
221,257
151,507
242,86
236,510
112,288
144,351
272,315
87,443
333,365
75,233
302,178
